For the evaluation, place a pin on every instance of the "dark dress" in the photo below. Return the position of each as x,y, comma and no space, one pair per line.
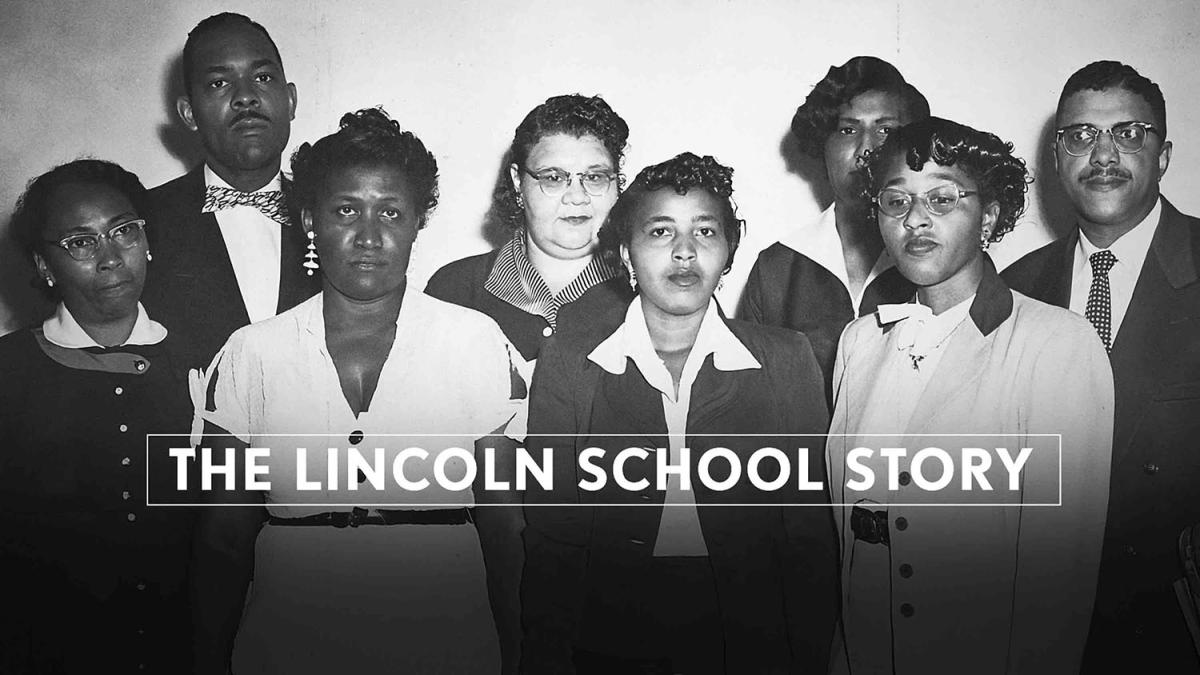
94,579
788,289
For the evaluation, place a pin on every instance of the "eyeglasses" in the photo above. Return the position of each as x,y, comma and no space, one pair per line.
939,201
85,246
555,182
1129,137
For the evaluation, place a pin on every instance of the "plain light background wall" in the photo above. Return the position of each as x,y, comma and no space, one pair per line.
721,78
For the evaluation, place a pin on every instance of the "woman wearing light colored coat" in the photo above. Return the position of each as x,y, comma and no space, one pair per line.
1004,580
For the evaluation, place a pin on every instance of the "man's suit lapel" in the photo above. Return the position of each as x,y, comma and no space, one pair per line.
1144,346
211,254
1055,277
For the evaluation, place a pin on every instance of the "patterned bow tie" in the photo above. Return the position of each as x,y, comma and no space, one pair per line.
269,202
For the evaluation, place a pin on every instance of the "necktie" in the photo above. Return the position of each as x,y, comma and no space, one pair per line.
269,202
1099,302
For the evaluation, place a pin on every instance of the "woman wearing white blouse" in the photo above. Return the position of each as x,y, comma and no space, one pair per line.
402,589
981,589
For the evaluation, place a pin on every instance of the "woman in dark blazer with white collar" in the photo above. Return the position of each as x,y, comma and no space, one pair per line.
681,588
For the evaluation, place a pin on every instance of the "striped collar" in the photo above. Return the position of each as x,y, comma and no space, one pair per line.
516,281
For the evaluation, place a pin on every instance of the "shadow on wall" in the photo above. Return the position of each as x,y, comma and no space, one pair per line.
28,305
810,169
496,229
1057,211
177,139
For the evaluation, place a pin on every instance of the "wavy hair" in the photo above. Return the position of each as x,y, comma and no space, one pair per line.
572,114
1101,75
984,157
366,137
817,117
682,173
29,216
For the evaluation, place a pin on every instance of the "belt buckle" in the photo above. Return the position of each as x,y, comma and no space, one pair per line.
358,516
870,526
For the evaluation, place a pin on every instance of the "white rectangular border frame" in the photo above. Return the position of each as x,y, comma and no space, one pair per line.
425,506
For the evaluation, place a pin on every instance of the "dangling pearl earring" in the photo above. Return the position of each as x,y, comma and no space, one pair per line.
310,258
632,280
49,282
149,257
520,201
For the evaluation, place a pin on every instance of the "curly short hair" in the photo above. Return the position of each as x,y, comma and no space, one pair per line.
817,117
1101,75
681,173
211,25
366,137
572,114
29,216
984,157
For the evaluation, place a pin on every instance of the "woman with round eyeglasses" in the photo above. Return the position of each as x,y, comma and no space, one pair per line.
563,178
826,273
1004,584
395,580
83,557
680,582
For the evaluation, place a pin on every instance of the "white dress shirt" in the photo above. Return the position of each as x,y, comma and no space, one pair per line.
1131,250
819,241
63,330
679,531
254,243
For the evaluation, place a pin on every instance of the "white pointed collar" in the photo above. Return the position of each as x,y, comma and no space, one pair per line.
631,340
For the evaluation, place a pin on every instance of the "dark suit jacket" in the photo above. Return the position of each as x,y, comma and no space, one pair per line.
789,289
1155,489
775,567
190,285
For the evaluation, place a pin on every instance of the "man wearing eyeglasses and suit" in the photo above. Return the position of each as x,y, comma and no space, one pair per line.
1131,268
225,251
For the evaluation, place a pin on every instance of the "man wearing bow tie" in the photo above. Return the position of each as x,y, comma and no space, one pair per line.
225,252
1130,266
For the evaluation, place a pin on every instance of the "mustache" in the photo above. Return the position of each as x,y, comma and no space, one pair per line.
1106,172
248,115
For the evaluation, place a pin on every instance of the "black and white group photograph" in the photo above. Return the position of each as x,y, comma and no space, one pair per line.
708,337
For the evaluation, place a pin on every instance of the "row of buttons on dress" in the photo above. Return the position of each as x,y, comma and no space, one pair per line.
126,495
906,570
126,461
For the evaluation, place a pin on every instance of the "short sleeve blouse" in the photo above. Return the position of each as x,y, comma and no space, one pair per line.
448,373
